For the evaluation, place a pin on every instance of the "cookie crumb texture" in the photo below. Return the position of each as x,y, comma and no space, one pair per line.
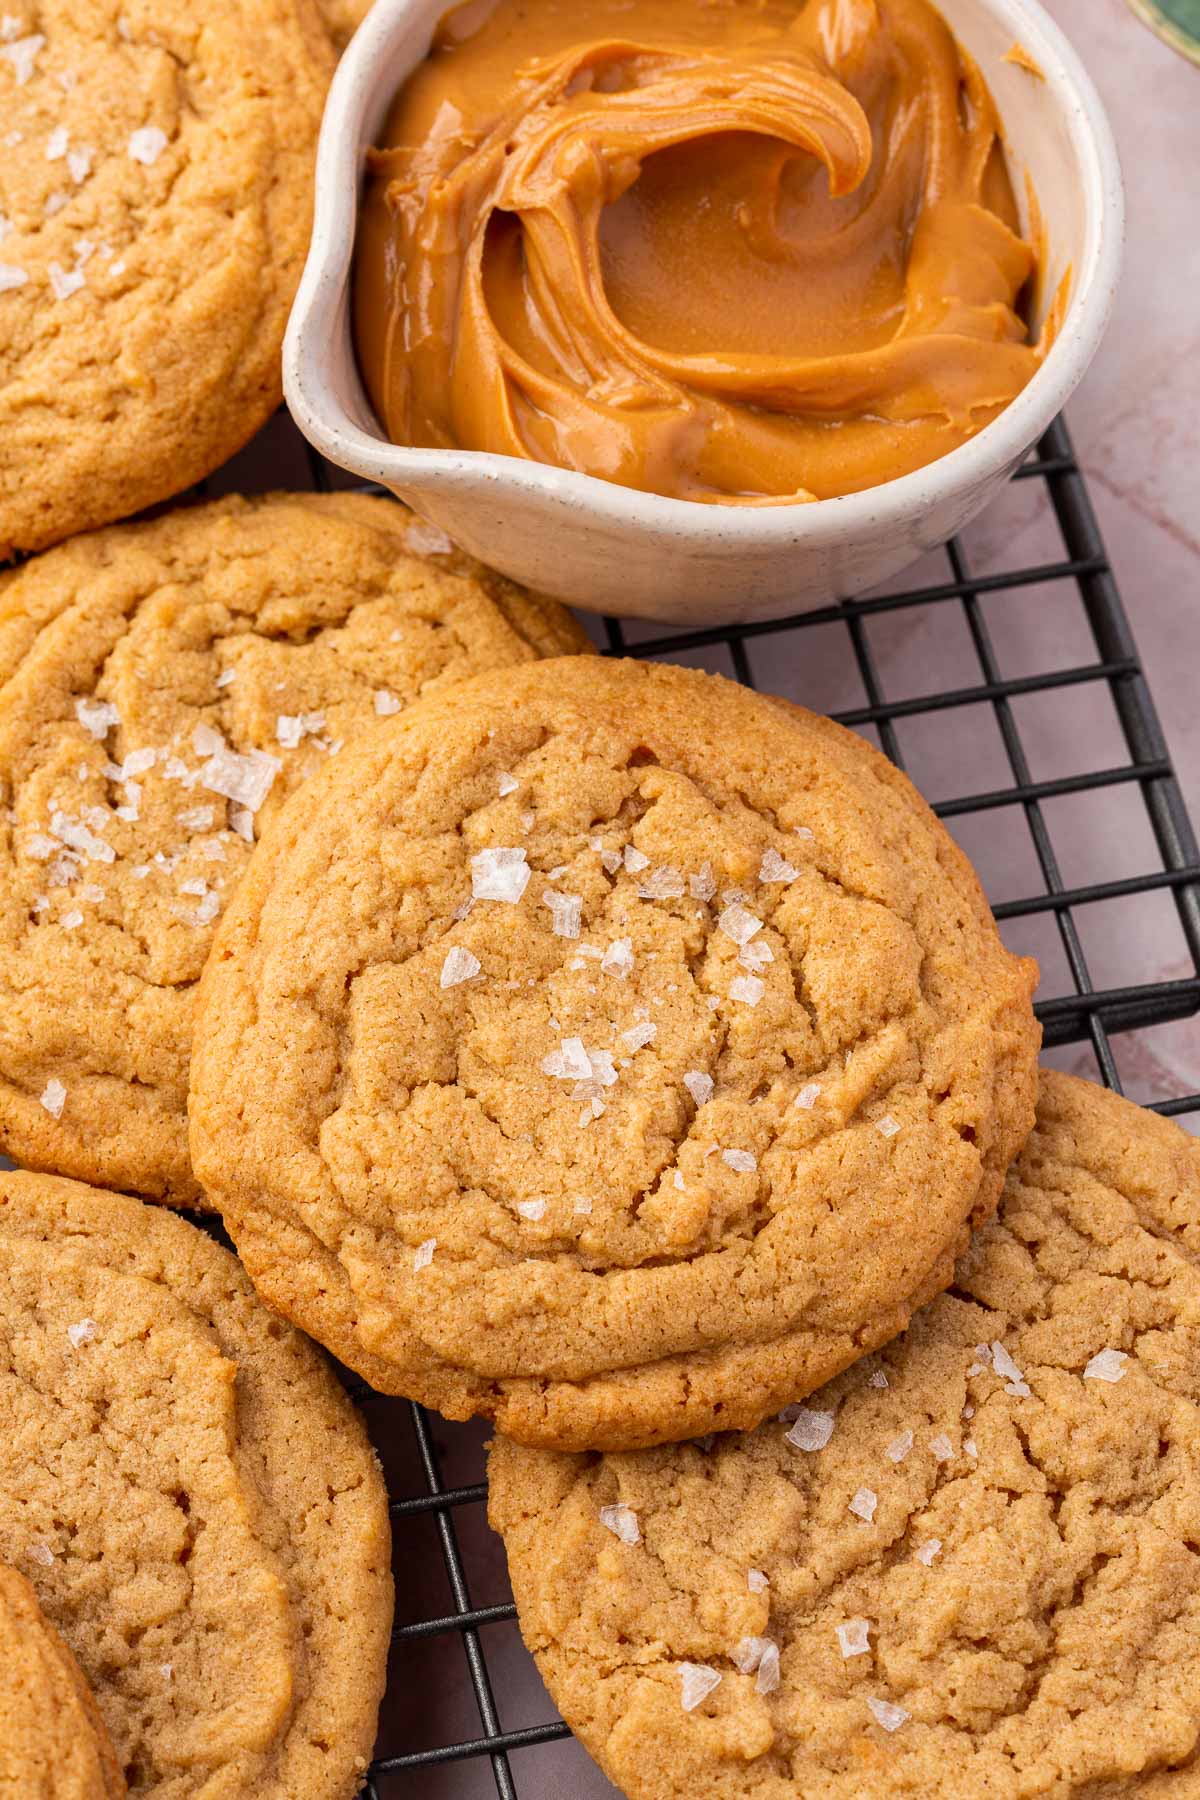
156,166
1019,1618
53,1743
571,1188
162,688
343,18
193,1499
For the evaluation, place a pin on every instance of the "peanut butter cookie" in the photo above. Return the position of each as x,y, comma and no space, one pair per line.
193,1499
162,688
967,1567
343,17
608,1050
155,201
53,1743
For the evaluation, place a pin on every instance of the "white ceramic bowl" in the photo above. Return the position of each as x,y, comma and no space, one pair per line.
612,549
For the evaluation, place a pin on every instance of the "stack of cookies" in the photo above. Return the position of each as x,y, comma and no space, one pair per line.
597,1048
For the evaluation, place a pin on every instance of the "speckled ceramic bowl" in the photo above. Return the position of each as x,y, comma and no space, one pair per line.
612,549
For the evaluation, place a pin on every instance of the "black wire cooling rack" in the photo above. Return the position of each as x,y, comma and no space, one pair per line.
1066,851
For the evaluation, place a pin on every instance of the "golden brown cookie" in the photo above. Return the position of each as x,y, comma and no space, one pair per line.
155,203
610,1051
968,1567
53,1742
193,1498
162,688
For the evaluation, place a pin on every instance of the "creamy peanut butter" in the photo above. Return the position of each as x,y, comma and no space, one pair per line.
726,250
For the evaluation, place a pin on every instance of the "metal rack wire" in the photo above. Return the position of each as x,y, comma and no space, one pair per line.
428,1746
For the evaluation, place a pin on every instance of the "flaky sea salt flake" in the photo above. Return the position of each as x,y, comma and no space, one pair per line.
738,923
926,1552
41,1553
941,1449
622,1521
776,868
532,1209
245,779
566,912
702,885
11,277
635,860
82,1332
698,1682
1106,1365
811,1430
756,1581
853,1636
499,874
887,1714
699,1086
863,1503
638,1036
98,717
386,703
749,989
877,1380
506,784
424,539
887,1126
460,965
23,54
423,1255
54,1097
570,1062
808,1096
147,144
899,1447
618,958
744,1162
1010,1375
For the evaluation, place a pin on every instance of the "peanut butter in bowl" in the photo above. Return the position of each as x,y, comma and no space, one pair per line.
743,251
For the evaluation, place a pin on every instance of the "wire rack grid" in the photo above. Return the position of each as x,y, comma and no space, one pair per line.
459,1677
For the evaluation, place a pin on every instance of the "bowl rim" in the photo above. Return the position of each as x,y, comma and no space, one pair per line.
322,413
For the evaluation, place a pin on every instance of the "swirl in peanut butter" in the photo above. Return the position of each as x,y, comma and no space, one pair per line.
726,250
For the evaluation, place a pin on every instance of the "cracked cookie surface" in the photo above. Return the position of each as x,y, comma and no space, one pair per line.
53,1742
193,1499
970,1566
608,1050
162,688
155,205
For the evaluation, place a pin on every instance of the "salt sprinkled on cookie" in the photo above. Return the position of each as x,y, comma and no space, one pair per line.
147,144
891,1717
506,784
638,1036
386,703
566,911
635,859
756,1581
23,55
743,1161
738,923
877,1380
618,958
499,874
811,1430
97,717
1006,1368
806,1099
776,868
54,1097
749,989
1106,1365
698,1683
82,1332
622,1521
425,539
532,1209
40,1552
926,1552
460,965
941,1448
899,1447
662,884
853,1638
887,1126
863,1503
702,885
699,1086
423,1255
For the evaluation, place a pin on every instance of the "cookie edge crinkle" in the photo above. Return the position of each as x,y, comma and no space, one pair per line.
301,1276
283,1381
